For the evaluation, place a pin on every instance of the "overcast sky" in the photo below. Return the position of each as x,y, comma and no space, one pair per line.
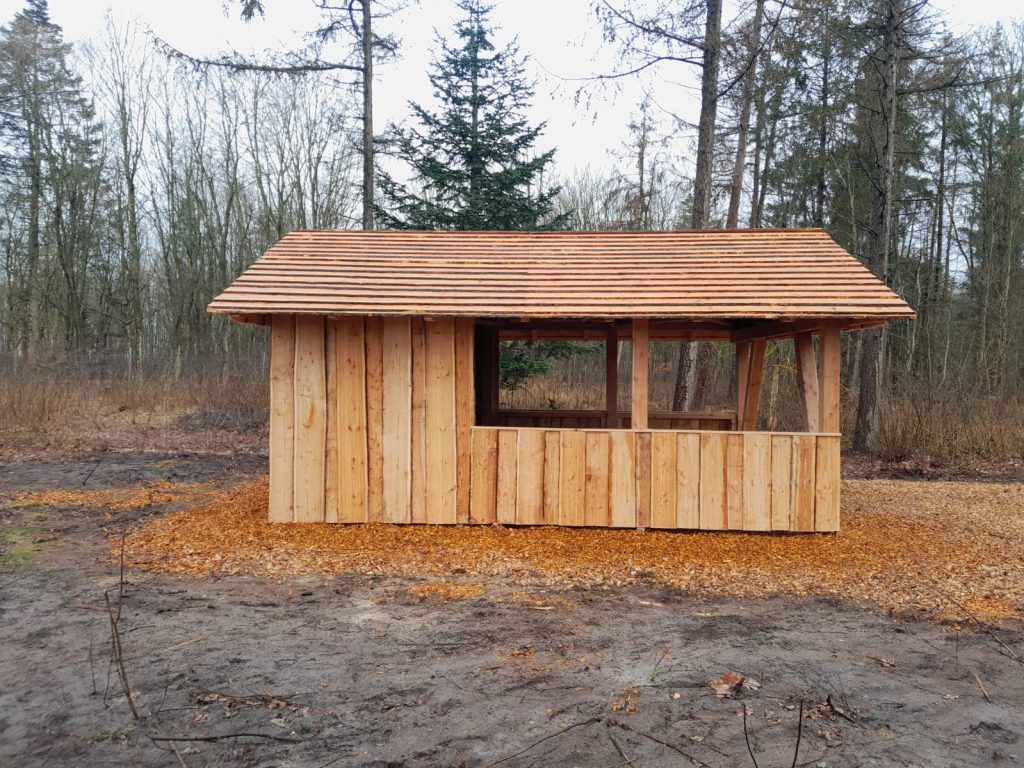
561,37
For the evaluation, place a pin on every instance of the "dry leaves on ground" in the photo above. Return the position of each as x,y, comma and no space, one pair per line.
118,499
949,550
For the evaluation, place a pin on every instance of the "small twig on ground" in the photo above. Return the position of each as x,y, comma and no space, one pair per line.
221,737
838,710
665,744
546,738
94,468
746,737
628,760
981,685
799,733
116,651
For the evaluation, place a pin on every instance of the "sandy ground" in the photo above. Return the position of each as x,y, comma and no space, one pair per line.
353,670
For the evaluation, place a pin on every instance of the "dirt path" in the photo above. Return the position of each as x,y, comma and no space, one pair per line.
376,672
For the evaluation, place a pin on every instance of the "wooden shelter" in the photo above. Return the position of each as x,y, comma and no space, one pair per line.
384,375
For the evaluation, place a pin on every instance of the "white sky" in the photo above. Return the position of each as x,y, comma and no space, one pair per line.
561,37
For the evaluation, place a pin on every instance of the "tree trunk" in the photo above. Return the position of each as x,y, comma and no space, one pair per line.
879,237
740,165
367,34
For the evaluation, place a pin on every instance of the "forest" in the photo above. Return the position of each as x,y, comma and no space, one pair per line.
138,180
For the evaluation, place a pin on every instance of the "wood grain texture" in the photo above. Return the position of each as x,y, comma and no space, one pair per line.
757,482
310,419
441,449
640,389
642,478
282,419
755,376
530,473
375,418
552,477
397,419
807,380
688,480
331,469
826,486
782,482
572,478
595,512
508,476
465,404
734,486
712,482
484,478
622,481
664,480
418,424
828,379
804,477
353,481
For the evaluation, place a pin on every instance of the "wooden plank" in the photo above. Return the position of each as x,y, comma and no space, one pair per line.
622,480
782,482
375,419
465,400
828,379
757,482
741,370
484,483
826,484
712,481
331,470
611,377
508,450
664,473
734,490
688,480
282,419
595,511
752,397
642,477
397,404
807,384
552,477
310,418
572,478
641,364
530,471
353,488
804,456
418,426
441,451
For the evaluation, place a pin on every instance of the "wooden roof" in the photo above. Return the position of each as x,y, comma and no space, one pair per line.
726,274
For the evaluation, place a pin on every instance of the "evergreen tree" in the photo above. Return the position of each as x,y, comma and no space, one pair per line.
472,162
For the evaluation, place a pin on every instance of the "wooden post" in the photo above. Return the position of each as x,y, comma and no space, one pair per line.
742,372
828,379
611,374
638,410
807,372
752,390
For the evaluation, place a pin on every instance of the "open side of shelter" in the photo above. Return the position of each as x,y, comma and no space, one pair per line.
384,376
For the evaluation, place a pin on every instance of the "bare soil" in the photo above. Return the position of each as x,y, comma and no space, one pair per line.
378,671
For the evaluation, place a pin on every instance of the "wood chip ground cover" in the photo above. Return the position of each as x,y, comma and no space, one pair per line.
951,551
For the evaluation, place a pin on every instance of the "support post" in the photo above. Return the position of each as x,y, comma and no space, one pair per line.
742,373
638,410
611,374
828,379
807,372
752,394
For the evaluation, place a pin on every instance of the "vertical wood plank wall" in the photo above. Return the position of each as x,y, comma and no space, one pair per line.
372,421
744,481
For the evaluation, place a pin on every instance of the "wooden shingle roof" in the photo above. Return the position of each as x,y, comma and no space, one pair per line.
755,273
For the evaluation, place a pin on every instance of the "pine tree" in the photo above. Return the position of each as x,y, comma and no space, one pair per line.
472,160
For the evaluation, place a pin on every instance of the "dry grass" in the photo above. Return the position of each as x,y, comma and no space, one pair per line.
944,550
62,408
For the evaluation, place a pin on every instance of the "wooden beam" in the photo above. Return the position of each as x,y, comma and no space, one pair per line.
828,379
611,377
641,357
775,329
752,395
807,373
741,370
